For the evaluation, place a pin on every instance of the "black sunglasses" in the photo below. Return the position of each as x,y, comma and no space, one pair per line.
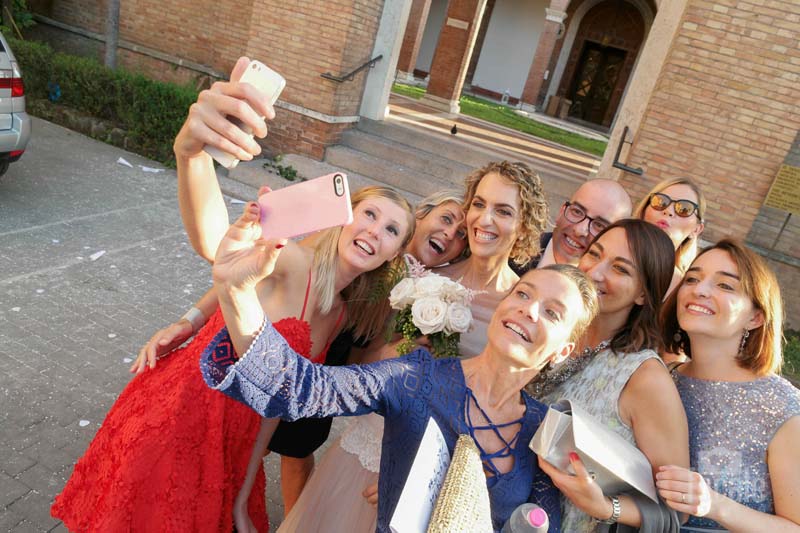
576,214
683,208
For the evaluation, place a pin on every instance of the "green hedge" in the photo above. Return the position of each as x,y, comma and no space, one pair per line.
150,111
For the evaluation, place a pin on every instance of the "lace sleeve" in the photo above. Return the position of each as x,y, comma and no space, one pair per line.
277,382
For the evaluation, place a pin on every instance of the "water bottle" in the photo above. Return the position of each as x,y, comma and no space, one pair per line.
527,518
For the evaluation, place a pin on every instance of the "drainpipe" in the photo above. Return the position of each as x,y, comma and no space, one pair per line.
112,33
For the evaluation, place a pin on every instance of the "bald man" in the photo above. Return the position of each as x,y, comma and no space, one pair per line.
595,205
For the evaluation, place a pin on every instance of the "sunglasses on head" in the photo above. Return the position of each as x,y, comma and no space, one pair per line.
683,208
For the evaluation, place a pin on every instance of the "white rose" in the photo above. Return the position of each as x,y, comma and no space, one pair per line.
402,294
457,319
454,292
429,314
430,285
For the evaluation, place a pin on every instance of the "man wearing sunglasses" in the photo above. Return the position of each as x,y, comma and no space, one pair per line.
596,204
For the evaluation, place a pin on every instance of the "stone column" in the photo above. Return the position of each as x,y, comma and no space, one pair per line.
453,52
553,29
412,39
387,43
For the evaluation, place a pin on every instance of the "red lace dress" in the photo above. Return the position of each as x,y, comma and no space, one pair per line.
171,454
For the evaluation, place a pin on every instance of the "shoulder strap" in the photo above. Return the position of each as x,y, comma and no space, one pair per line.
305,300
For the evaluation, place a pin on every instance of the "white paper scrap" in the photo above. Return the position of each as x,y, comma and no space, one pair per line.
112,335
237,201
15,309
122,162
425,480
97,255
151,169
56,241
83,423
39,291
127,360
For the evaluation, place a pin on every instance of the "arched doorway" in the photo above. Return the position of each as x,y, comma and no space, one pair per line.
601,60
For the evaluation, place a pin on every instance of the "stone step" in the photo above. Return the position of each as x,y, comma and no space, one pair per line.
469,156
401,177
412,158
247,177
446,148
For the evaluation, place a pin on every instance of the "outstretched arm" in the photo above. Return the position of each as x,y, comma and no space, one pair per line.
167,339
203,210
270,377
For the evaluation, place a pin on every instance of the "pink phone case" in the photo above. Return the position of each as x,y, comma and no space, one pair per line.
307,207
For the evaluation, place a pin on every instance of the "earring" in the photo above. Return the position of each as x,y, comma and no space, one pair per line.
678,336
744,340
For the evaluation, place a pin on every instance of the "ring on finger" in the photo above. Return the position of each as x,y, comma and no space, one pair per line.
683,497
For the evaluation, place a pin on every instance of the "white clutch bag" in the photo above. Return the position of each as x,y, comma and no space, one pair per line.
618,465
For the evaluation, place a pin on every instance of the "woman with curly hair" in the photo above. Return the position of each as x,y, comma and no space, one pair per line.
506,211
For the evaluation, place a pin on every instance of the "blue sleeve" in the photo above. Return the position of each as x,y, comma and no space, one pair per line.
275,381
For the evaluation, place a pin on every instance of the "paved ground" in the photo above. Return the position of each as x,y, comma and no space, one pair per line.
69,324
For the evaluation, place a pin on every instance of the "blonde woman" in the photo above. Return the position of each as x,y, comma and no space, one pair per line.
340,494
678,207
172,457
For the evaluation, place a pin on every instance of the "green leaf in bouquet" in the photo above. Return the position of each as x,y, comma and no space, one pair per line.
380,290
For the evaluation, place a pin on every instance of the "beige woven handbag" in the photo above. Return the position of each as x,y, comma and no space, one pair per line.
463,502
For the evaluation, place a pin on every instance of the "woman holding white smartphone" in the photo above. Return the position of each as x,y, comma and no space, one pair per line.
171,455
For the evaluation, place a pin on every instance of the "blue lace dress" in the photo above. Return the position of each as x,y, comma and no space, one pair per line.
407,391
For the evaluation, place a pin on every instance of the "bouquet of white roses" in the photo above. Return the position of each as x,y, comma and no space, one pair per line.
432,305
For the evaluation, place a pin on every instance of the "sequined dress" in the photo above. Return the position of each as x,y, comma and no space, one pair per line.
171,454
406,391
730,427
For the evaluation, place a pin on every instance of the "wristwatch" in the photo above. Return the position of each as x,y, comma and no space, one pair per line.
617,510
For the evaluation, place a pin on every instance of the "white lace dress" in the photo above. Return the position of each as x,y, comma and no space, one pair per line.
332,500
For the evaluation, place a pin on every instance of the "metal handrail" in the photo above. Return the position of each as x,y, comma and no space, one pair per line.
623,166
351,75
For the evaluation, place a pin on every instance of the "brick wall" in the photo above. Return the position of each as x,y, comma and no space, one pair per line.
724,112
301,40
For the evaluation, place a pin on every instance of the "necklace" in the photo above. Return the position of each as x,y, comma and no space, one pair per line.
551,377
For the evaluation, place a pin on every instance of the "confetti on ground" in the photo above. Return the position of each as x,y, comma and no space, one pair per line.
127,360
113,266
237,201
39,291
15,309
151,169
122,162
112,335
83,423
97,255
56,241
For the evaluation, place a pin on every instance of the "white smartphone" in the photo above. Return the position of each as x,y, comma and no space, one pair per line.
265,80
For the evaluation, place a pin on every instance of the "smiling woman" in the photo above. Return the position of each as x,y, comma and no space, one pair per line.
481,396
506,211
440,236
744,420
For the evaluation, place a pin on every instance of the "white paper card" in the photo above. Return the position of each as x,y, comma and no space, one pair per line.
425,480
